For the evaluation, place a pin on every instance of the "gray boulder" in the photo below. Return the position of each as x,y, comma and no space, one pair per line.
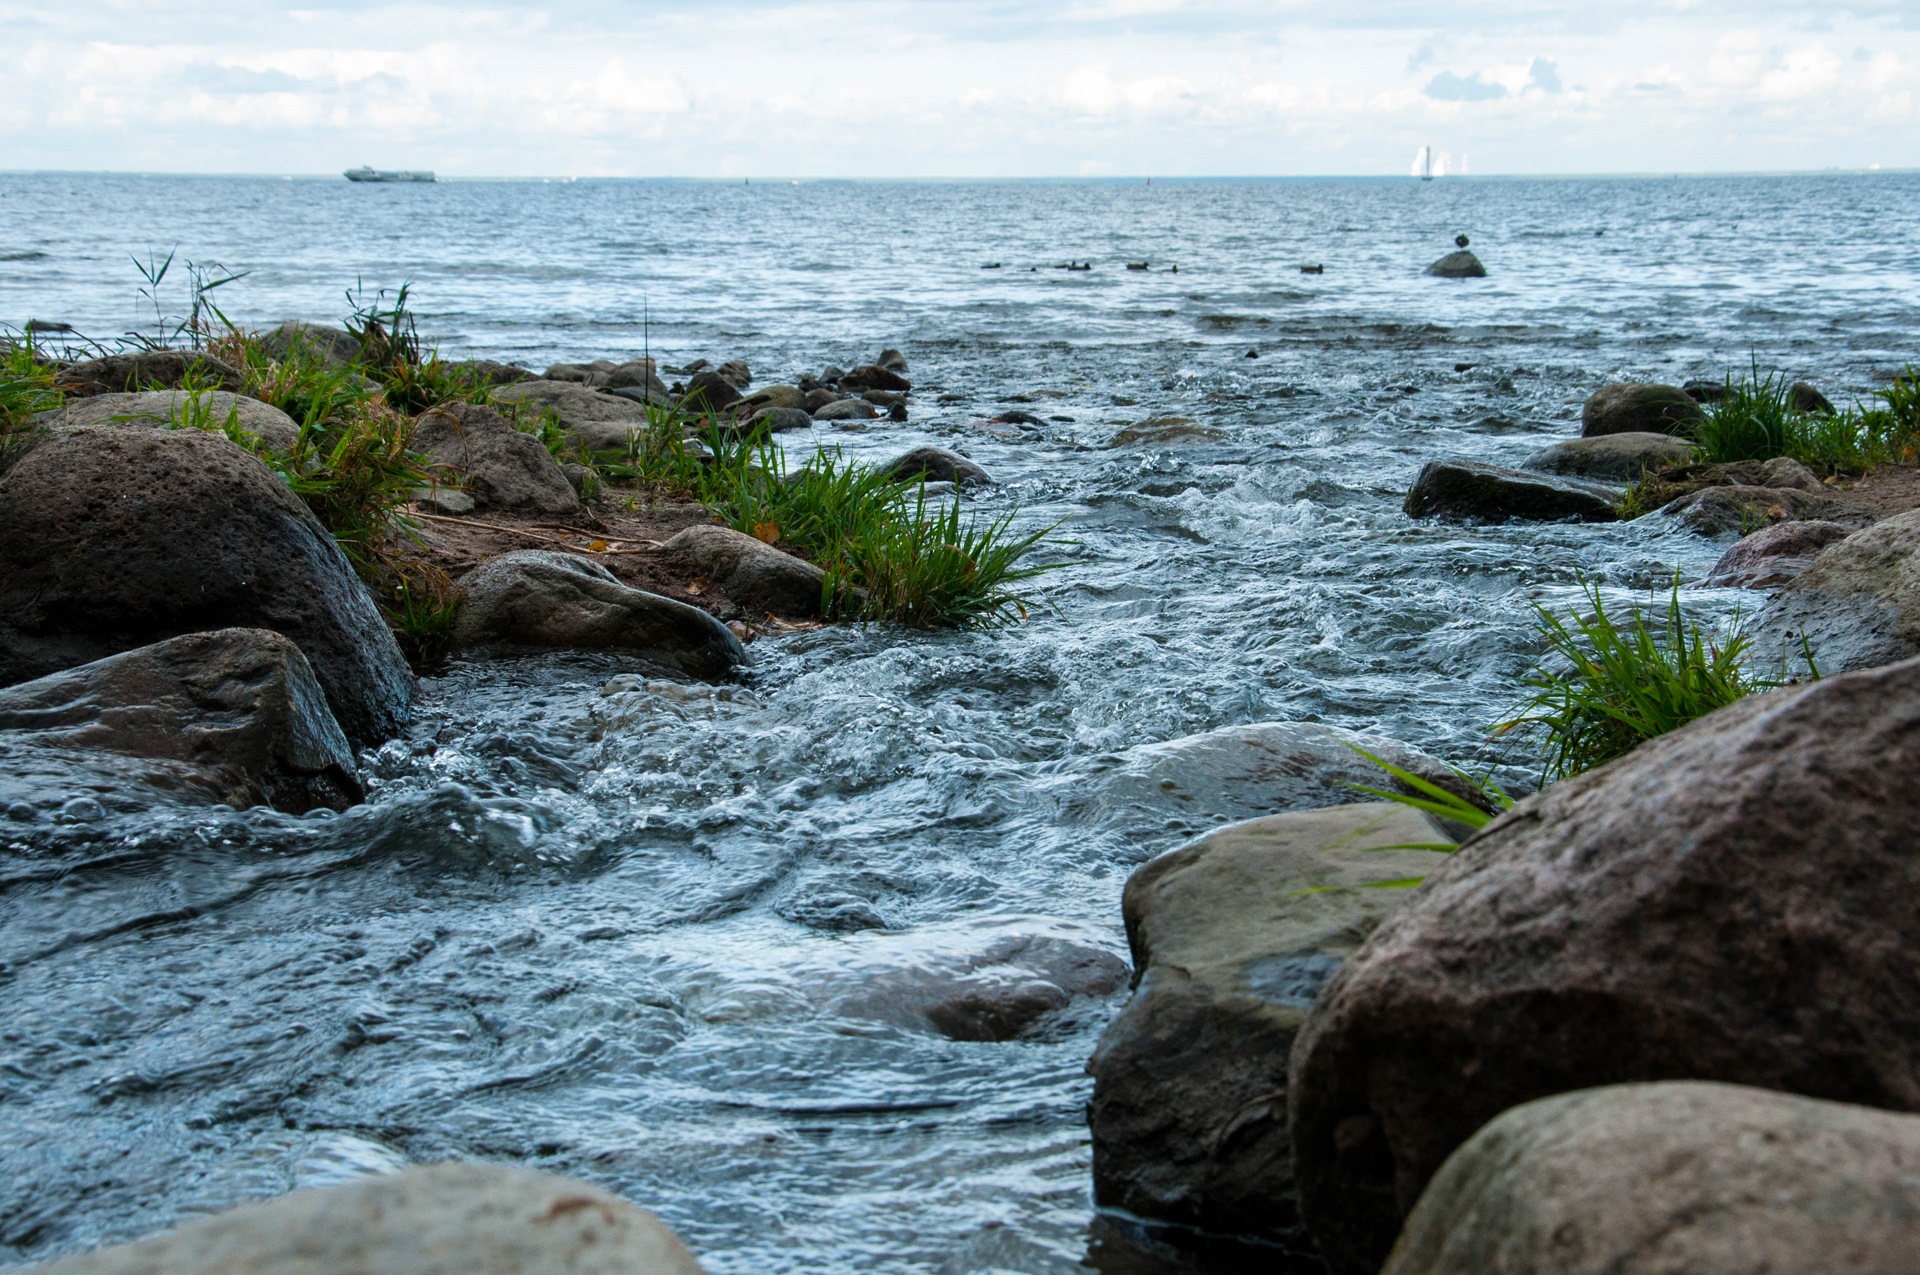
1468,489
709,392
1636,407
444,1219
234,715
1732,901
117,537
539,597
936,465
1233,937
600,422
1857,604
1610,458
1774,555
505,468
637,374
336,346
772,396
207,409
1784,471
892,360
1742,509
776,419
150,369
1705,1179
1808,400
1458,265
756,575
846,409
818,397
592,375
734,372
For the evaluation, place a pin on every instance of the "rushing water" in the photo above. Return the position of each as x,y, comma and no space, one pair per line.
677,939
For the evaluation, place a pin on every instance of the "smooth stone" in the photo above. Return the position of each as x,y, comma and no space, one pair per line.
643,394
1784,471
1731,901
1157,431
443,1219
1808,400
120,536
592,375
846,409
540,597
1774,555
1638,407
637,374
873,377
273,427
1612,458
600,422
817,396
336,347
234,715
1458,265
1233,937
777,419
444,500
935,465
1680,1176
756,575
1857,605
505,468
1458,488
709,392
1716,511
892,360
772,396
735,373
1705,391
147,370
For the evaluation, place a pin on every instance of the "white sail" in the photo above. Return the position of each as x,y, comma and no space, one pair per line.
1441,164
1422,162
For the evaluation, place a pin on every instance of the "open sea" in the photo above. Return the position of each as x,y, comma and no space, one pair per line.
678,940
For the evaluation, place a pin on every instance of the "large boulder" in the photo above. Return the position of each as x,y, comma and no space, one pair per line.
1611,458
1639,407
600,422
116,537
210,409
1857,604
636,374
709,392
1458,265
1742,509
1732,901
149,369
936,465
1233,937
505,468
1705,1179
539,597
444,1219
1774,555
235,715
1468,489
754,574
336,346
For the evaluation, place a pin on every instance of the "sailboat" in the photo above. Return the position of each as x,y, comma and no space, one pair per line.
1423,164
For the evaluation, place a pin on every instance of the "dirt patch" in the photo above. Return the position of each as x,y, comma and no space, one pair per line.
1889,490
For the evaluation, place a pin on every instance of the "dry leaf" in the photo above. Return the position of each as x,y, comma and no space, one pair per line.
598,546
767,531
698,585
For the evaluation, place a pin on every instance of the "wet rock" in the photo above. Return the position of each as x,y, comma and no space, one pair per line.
884,398
818,398
1857,604
1233,937
489,372
936,465
210,409
846,409
1808,400
873,377
1458,265
757,576
592,375
1636,407
1715,511
1732,901
709,392
443,1219
150,369
1612,458
505,468
539,597
1469,489
897,413
772,396
235,715
644,394
600,422
118,537
335,346
1708,1179
637,374
777,419
735,373
1160,431
1705,391
1774,555
892,360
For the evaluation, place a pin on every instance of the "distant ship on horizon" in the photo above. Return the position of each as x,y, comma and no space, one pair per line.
366,174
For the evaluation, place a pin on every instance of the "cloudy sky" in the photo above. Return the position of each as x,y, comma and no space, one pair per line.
953,88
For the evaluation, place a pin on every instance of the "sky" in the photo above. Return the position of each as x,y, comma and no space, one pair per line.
942,88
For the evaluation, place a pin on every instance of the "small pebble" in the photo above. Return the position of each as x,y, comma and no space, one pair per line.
82,810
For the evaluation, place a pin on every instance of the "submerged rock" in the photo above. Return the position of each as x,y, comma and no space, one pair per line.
1774,555
1857,604
1612,458
150,369
443,1219
208,409
118,536
1707,1179
235,715
598,421
1732,901
539,597
756,575
505,468
1458,265
1638,407
1468,489
936,465
1233,937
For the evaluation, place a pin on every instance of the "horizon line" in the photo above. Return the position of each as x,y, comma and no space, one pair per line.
1090,179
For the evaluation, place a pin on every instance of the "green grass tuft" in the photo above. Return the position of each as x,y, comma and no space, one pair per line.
1756,420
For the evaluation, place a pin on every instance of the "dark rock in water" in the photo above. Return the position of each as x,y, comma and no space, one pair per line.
595,420
776,419
936,465
709,392
637,374
846,409
151,369
1458,265
1705,391
118,537
1621,458
897,413
1808,400
735,373
1233,937
234,714
830,375
757,576
335,346
1732,901
1713,1179
1630,407
1857,604
1469,489
489,372
538,597
818,398
883,398
1016,416
771,396
892,360
442,1219
872,377
1716,511
1774,555
208,409
505,468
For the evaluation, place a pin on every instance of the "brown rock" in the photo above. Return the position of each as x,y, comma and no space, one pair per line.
1774,555
936,465
505,468
1808,400
709,392
335,346
150,370
1459,488
758,576
1857,604
874,377
1715,511
1633,407
846,409
1732,901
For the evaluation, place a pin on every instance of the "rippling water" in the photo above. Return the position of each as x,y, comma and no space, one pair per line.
682,940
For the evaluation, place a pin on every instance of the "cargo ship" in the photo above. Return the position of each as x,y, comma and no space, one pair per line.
365,174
